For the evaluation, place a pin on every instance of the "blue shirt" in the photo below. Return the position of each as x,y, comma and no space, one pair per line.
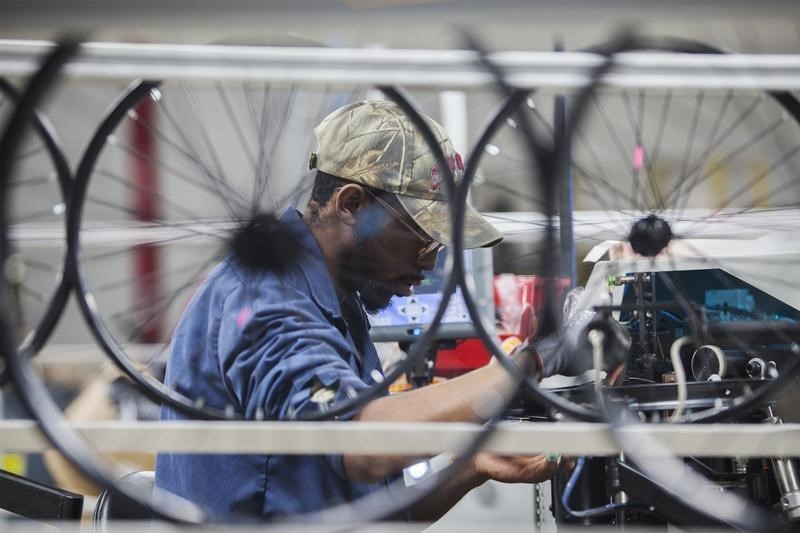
271,345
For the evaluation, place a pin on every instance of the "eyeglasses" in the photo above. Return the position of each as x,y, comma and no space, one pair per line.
430,247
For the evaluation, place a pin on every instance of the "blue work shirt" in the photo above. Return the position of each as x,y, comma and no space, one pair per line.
271,345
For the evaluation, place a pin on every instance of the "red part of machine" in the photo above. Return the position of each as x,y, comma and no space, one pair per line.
517,298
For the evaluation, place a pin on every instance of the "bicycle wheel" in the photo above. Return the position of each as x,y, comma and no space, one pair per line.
641,159
29,386
663,180
713,165
139,250
38,284
641,228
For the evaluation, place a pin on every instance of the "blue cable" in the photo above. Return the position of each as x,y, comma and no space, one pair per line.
586,513
673,316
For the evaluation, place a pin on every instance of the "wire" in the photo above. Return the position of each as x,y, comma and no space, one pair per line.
680,377
585,513
673,316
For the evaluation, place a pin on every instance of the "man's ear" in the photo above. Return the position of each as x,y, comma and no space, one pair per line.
349,201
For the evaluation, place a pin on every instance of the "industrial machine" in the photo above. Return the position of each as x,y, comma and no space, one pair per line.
705,344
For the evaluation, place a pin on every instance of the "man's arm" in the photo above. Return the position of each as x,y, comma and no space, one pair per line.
472,396
467,398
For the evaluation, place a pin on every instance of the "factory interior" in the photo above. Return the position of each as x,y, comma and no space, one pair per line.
399,265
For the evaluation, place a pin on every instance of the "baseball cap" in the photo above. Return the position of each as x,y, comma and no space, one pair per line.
373,142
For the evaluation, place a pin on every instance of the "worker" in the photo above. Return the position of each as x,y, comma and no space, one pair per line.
291,340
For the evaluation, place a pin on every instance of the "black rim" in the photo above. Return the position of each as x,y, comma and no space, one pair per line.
58,298
30,389
150,386
791,105
561,160
377,507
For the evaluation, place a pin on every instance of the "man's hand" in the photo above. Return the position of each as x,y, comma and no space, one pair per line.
568,351
514,468
485,466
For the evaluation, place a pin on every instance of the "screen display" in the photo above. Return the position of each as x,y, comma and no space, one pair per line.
407,316
420,307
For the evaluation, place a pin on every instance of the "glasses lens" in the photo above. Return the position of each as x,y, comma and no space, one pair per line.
433,248
430,248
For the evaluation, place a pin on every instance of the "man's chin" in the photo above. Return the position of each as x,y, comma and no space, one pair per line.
375,300
375,308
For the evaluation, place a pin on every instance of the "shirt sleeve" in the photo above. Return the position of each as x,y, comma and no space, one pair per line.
280,356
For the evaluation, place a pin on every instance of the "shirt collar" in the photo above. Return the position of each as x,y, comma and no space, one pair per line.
313,265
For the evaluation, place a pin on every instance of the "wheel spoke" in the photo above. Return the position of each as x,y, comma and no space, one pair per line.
29,153
674,195
759,177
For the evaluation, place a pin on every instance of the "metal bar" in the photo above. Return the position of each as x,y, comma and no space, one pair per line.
453,69
266,16
127,233
591,225
739,440
566,192
566,196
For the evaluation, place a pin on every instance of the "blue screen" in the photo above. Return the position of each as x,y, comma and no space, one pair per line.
420,307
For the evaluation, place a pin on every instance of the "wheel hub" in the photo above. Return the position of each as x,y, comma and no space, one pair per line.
650,235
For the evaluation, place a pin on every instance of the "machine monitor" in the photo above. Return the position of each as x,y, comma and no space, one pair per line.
407,317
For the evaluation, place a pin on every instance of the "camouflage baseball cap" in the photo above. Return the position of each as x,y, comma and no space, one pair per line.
373,142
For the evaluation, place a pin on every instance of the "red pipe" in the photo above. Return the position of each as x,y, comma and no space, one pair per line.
147,257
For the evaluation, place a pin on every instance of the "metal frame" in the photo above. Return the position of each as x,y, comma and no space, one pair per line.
446,69
570,438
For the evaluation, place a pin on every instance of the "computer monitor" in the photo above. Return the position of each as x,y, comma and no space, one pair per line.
407,317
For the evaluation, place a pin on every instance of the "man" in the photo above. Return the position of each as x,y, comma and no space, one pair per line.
286,342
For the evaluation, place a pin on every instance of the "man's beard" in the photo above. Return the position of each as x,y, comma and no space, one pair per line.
375,295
